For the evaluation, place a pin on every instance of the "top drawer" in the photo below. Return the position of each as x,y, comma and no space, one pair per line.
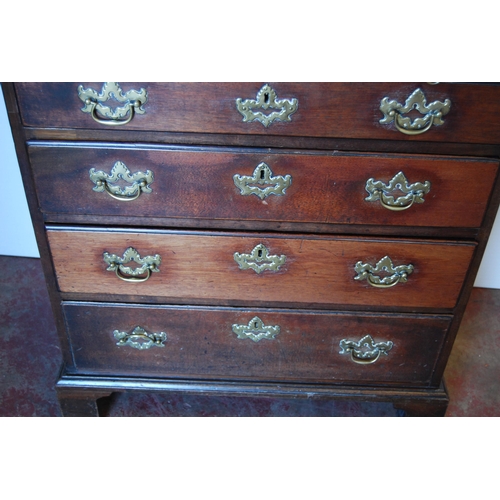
443,112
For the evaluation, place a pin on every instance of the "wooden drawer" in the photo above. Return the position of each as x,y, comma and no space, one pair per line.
309,271
315,188
208,343
257,293
341,110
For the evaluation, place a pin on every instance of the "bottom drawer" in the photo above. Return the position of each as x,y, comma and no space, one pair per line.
258,344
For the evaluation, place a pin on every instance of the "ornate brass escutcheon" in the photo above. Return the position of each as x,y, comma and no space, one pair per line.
266,99
139,182
262,176
432,113
259,260
148,265
132,101
398,274
140,338
366,351
412,193
256,330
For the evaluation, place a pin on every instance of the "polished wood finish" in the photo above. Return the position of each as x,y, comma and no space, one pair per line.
201,344
197,183
431,408
318,271
411,401
341,110
401,145
78,403
191,134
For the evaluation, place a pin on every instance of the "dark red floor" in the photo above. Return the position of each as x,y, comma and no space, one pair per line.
30,359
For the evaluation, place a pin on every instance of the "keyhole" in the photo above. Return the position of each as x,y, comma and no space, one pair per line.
266,98
262,174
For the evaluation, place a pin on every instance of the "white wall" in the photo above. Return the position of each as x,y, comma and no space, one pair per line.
16,231
489,272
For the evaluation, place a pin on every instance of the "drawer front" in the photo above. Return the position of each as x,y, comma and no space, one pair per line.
225,343
341,110
248,186
261,270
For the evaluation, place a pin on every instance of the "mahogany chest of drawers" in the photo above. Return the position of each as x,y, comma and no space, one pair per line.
270,239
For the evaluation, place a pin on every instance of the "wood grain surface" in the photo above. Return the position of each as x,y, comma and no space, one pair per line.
198,183
201,344
318,270
341,110
194,139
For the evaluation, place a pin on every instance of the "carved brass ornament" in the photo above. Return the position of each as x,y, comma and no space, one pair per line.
259,260
148,265
398,274
262,176
256,330
140,339
266,99
133,101
139,182
366,351
413,193
432,113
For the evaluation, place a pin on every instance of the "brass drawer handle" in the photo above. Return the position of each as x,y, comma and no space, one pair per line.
259,260
256,330
398,274
267,99
133,101
432,113
139,182
148,265
262,176
366,351
140,338
413,193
